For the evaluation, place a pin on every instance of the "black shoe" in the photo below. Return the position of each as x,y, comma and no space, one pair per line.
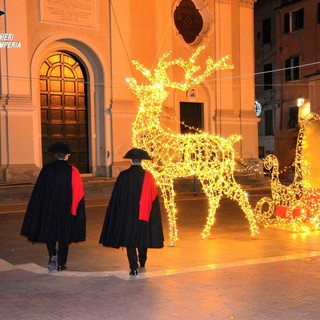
52,263
133,274
142,269
61,268
142,265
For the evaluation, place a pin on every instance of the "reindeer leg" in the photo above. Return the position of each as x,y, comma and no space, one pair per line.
170,206
236,193
214,197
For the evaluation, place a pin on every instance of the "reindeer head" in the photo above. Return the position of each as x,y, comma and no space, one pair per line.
155,92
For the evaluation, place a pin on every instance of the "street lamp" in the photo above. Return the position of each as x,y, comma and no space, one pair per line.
300,101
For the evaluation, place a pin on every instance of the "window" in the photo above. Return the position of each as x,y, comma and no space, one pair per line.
188,20
191,117
293,21
293,117
292,69
266,31
268,123
267,76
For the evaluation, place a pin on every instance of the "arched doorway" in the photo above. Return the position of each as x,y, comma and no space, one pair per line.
64,111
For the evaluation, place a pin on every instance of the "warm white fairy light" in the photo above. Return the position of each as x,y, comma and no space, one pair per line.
209,157
300,201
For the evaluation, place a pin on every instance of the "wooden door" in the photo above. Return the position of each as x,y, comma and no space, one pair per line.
63,107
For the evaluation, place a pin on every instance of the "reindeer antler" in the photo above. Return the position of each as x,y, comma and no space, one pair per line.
160,75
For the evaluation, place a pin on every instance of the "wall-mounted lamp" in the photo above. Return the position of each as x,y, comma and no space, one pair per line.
2,12
300,101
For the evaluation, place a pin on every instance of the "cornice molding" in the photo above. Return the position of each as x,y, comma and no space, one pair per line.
243,3
247,3
224,1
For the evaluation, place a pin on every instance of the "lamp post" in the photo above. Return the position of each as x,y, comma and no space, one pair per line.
304,107
300,101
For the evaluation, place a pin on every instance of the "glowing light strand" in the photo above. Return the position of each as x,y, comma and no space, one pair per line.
209,157
299,200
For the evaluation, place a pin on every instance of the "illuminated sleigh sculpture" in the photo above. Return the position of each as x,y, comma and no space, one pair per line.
295,207
209,157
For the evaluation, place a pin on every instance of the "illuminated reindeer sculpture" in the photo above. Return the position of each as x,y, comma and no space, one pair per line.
209,157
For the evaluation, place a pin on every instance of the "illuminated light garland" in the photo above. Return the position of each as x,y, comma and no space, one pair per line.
209,157
295,207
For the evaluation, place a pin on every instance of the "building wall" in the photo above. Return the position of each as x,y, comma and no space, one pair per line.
302,43
266,54
281,99
105,36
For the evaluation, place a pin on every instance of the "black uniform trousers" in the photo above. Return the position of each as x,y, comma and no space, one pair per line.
63,249
135,254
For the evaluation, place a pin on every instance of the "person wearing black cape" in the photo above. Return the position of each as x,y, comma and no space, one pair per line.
133,217
56,210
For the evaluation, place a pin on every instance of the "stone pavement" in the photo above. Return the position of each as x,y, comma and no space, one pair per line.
229,276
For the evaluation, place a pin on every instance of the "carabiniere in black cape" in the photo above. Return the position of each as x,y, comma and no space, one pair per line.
121,227
48,217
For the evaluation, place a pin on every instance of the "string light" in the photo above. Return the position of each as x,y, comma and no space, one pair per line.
208,156
295,207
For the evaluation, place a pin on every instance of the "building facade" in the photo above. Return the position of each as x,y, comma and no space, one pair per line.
287,35
63,70
265,66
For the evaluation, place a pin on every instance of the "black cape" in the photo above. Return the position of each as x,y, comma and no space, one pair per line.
121,227
48,217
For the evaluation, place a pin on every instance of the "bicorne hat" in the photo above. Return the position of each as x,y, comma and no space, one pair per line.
60,147
136,153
